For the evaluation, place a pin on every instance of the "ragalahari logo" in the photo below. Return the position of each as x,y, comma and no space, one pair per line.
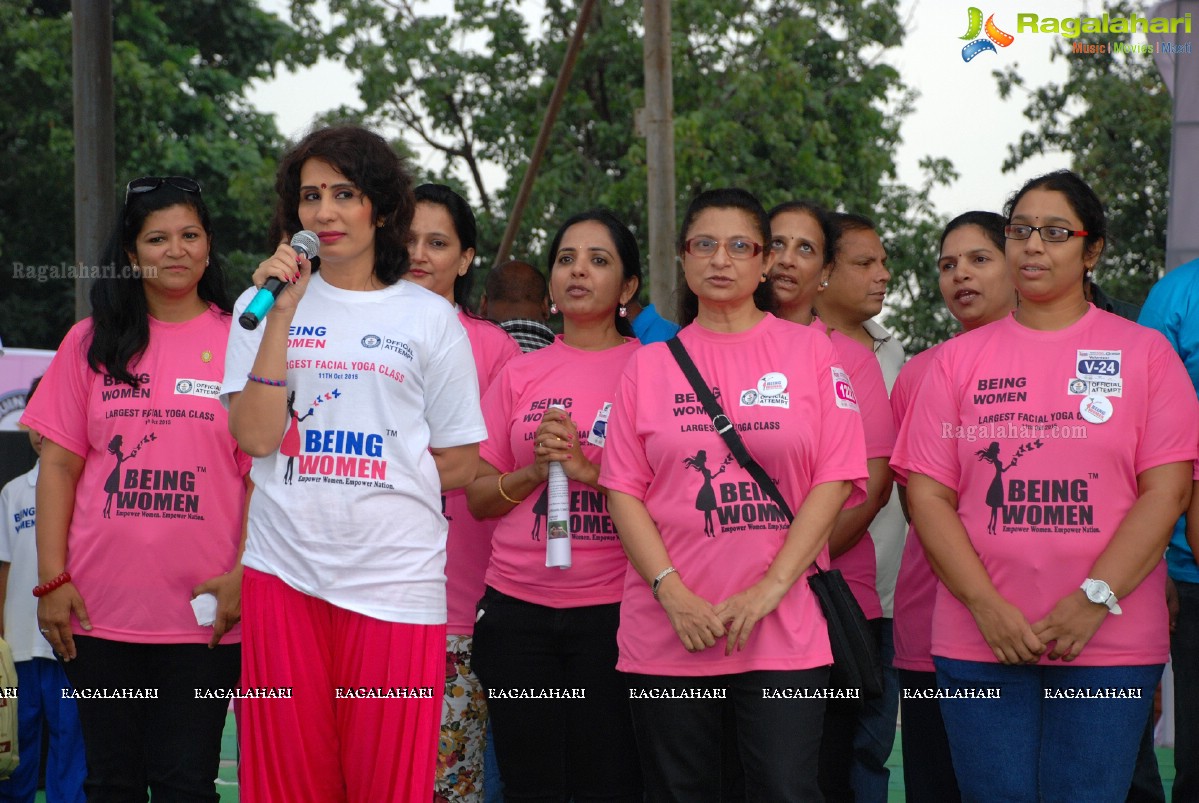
993,37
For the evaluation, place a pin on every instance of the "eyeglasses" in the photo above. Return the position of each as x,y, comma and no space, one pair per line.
151,183
736,249
1050,234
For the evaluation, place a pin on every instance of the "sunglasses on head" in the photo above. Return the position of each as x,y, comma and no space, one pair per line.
151,183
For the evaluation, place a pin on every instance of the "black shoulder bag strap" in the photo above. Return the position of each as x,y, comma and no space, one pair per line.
725,428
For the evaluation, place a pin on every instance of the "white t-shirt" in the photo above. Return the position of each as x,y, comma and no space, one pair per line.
378,378
18,546
890,527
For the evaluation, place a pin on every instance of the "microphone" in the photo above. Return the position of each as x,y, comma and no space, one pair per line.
304,242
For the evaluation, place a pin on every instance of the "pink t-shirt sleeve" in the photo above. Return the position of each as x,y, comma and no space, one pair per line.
497,415
919,446
877,421
55,410
626,468
859,564
903,394
916,586
468,541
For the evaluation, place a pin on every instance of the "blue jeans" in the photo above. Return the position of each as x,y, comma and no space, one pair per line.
493,784
41,682
875,736
1184,650
1030,746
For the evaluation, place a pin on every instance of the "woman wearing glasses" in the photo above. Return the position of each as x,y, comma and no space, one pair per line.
726,618
1057,618
344,583
122,553
540,627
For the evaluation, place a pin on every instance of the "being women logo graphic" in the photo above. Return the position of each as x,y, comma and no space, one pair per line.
993,35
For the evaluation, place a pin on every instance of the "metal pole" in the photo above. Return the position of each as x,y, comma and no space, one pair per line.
1180,71
658,124
95,144
543,136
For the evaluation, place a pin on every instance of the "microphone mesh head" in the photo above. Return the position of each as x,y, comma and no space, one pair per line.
307,242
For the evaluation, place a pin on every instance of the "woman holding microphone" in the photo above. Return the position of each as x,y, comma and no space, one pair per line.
344,589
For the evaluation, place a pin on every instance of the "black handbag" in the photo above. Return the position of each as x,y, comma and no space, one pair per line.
856,660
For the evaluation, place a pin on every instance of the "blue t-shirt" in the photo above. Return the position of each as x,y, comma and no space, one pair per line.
1172,308
650,327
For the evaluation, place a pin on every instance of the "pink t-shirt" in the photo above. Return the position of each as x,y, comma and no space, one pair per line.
784,389
584,383
916,586
1042,435
158,507
468,545
858,564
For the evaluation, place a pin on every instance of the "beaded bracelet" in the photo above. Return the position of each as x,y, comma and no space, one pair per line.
499,483
46,588
275,383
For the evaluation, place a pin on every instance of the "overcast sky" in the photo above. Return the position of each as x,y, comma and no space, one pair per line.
958,116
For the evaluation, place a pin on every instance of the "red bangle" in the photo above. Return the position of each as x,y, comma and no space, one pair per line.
46,588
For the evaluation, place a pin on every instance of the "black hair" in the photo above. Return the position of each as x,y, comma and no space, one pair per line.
819,214
120,314
626,250
464,227
1079,195
32,389
724,198
991,223
840,224
530,285
373,167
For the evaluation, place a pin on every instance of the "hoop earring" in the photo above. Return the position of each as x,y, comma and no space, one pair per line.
623,311
553,308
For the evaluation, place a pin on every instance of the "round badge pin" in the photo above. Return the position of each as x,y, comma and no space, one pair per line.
206,356
1096,409
772,384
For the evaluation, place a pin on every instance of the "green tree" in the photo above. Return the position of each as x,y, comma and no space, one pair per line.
790,98
180,74
911,233
1113,116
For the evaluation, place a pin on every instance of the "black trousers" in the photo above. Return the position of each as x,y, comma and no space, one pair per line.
836,749
778,738
170,745
552,749
927,765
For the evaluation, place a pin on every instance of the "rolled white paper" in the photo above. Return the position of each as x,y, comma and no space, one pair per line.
557,542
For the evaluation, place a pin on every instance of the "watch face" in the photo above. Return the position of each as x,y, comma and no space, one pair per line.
1098,591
